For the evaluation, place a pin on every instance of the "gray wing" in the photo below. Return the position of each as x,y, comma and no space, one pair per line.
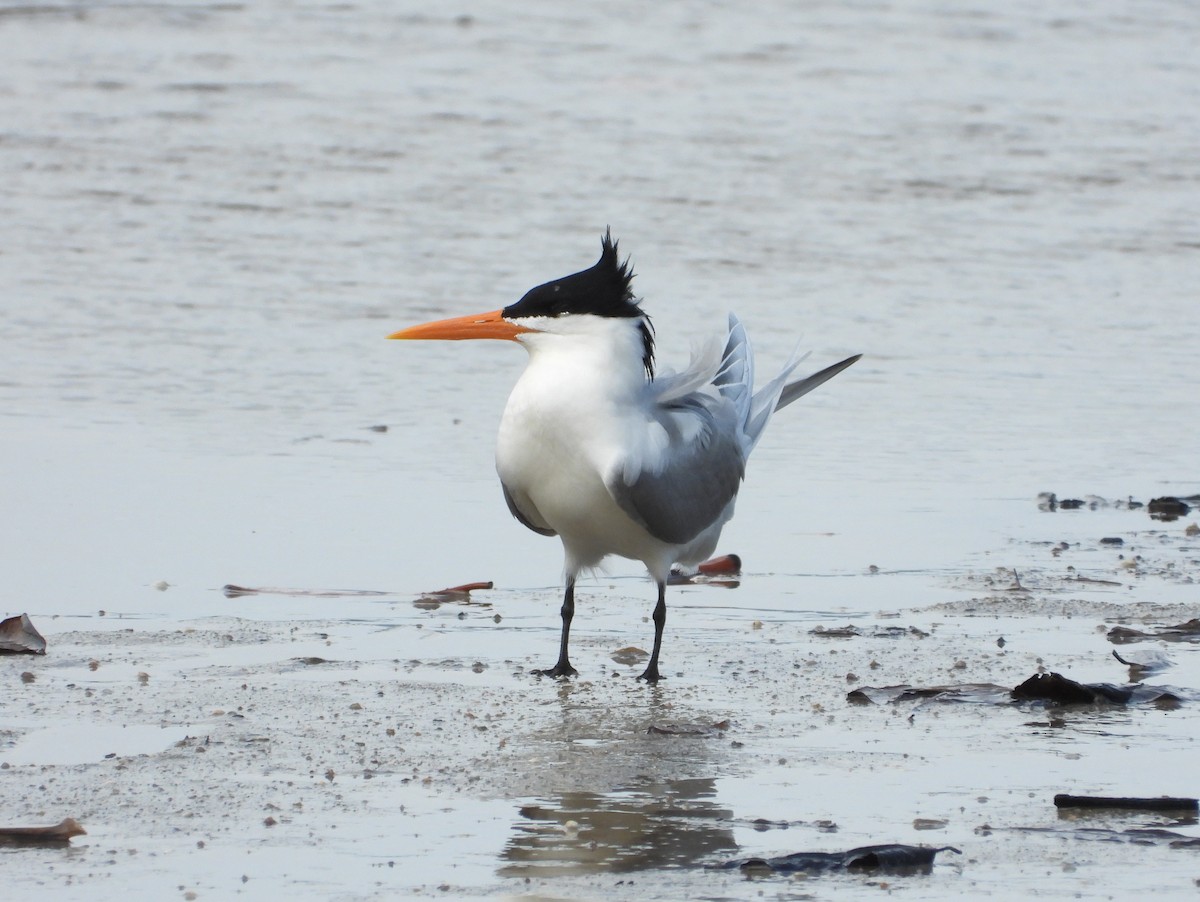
684,491
526,520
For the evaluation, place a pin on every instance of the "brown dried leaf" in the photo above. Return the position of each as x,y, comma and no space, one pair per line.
726,564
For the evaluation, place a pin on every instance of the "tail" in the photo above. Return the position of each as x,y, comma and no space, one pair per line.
802,387
735,376
735,380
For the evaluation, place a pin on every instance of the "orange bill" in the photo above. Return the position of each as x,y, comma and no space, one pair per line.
480,325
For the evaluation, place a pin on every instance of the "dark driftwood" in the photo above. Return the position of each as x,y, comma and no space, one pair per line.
895,859
232,591
1058,689
59,834
19,637
1163,803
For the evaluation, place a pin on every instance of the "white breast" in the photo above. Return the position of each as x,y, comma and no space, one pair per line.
571,418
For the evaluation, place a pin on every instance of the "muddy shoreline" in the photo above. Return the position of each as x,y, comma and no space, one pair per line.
208,753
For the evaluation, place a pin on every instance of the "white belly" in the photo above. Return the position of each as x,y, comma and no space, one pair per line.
553,466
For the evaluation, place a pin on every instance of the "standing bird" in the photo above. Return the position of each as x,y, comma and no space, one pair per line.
596,449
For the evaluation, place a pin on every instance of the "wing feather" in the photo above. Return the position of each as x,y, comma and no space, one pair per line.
682,468
692,478
532,519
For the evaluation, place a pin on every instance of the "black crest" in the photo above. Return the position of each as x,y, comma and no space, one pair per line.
602,290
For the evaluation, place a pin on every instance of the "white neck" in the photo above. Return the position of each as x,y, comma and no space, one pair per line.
587,357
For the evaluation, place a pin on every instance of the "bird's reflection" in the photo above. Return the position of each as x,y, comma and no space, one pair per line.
651,824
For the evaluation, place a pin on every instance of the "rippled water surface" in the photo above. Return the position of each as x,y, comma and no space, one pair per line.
212,214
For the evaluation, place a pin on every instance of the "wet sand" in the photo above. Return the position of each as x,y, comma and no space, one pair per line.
213,214
406,748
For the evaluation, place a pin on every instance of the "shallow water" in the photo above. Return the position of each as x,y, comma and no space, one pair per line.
213,213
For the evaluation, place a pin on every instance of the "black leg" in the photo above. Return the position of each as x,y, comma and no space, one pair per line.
651,674
563,668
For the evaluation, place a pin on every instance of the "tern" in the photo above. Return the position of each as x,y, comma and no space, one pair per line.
596,448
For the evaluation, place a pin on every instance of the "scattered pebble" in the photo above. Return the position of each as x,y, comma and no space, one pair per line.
927,823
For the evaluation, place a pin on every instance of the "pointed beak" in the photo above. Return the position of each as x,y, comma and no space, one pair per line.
480,325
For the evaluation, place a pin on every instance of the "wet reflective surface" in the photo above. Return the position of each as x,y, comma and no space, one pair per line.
213,213
645,826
